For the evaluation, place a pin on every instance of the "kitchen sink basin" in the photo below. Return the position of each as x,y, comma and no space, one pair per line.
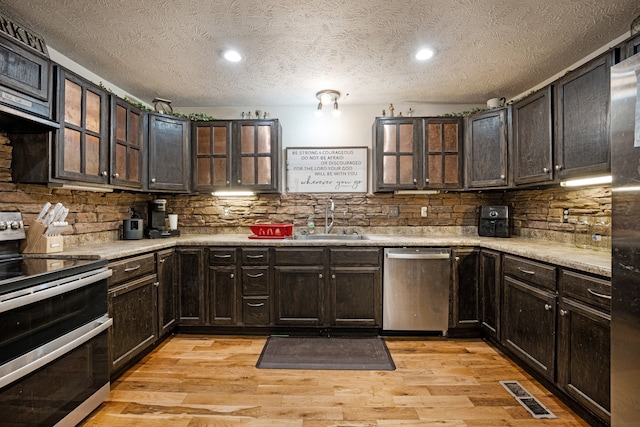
330,237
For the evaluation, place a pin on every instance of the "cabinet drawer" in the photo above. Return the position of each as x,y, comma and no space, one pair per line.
255,281
530,271
131,268
355,257
255,257
255,311
588,289
299,256
221,256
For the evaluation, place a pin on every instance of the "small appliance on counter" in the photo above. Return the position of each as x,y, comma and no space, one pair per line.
132,229
494,221
157,226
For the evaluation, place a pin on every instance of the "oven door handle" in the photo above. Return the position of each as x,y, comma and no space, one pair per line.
35,359
29,296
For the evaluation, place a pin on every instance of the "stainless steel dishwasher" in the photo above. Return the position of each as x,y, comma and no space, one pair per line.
416,289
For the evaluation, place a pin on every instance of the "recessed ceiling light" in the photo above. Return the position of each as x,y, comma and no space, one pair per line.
232,55
424,54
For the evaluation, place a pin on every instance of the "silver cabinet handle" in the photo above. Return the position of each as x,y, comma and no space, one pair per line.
255,256
156,284
320,276
333,276
415,181
115,175
128,269
104,173
253,276
599,295
529,272
221,256
547,307
545,170
563,312
502,177
162,260
239,182
153,180
255,304
558,167
232,275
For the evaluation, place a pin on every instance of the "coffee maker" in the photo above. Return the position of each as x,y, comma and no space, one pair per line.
157,220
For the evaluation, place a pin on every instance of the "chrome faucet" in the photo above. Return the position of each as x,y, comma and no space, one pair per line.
330,207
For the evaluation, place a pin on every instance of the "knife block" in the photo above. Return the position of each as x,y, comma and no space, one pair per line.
37,243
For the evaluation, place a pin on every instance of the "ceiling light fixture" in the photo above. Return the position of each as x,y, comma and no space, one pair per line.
328,96
424,54
232,55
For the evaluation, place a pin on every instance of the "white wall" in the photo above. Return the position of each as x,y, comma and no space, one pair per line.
302,128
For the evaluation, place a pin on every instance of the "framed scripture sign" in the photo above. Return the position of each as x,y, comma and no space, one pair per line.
327,170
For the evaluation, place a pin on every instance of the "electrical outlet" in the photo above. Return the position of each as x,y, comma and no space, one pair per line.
423,211
394,211
565,215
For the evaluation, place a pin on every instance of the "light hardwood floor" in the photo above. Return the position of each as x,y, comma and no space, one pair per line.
198,381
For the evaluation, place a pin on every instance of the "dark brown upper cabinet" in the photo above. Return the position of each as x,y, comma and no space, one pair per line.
397,154
236,155
581,131
128,132
82,146
211,165
532,132
486,152
417,153
168,153
443,153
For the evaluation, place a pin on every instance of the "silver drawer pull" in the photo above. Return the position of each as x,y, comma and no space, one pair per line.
128,269
598,294
221,256
547,307
529,272
253,276
255,304
255,256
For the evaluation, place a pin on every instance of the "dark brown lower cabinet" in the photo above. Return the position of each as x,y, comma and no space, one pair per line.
355,287
584,356
336,287
464,308
132,306
529,325
167,292
300,295
222,295
191,274
584,347
490,292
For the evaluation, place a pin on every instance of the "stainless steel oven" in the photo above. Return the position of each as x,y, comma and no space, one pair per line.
54,355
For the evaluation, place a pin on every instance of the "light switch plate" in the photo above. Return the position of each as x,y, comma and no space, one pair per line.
394,211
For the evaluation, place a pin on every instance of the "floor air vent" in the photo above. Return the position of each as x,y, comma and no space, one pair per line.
530,403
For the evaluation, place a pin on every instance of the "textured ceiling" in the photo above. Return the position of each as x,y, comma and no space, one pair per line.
293,48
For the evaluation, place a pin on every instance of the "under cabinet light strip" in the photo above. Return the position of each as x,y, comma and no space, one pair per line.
586,181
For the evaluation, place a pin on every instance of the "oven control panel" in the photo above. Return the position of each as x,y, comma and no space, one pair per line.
11,226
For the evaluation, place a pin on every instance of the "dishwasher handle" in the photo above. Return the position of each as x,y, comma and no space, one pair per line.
426,255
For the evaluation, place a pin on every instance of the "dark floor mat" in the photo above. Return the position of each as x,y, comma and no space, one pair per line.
326,353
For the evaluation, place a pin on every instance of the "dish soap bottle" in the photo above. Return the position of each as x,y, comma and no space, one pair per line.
310,225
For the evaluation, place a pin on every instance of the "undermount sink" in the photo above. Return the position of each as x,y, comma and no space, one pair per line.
330,237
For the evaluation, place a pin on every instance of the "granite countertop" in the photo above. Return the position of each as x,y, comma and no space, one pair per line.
565,255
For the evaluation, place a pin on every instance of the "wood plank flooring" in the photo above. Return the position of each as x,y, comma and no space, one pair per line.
211,381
